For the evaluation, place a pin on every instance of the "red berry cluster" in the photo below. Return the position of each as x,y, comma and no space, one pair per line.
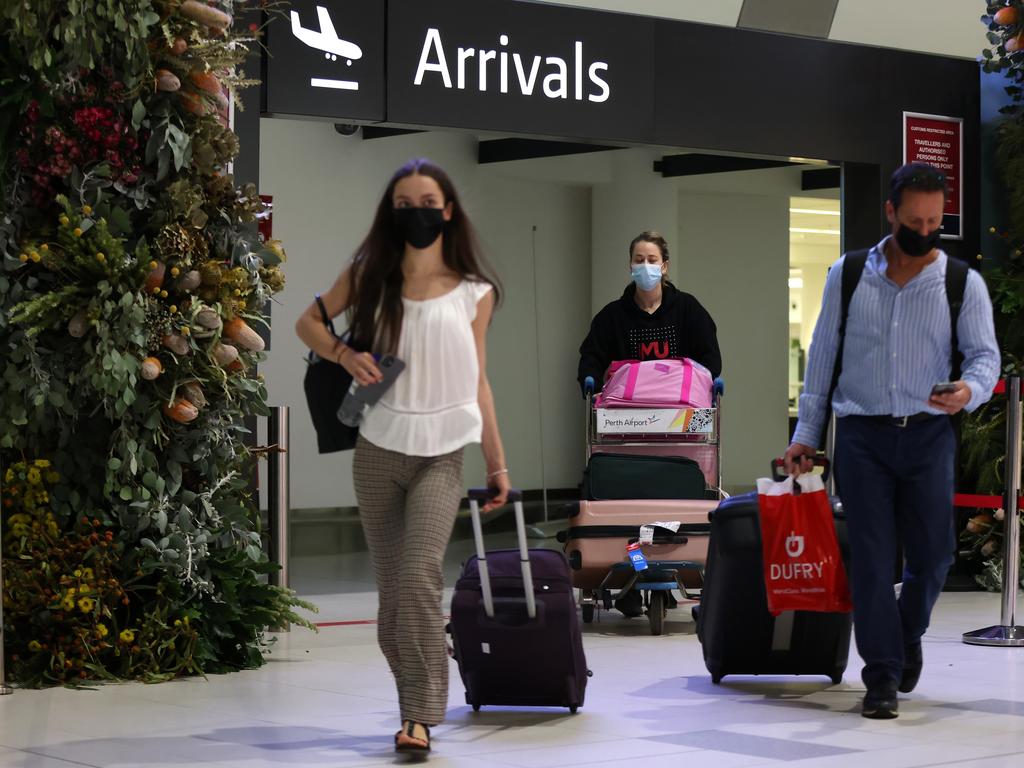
81,135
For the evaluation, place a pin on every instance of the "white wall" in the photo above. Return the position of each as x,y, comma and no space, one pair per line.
325,188
734,253
634,199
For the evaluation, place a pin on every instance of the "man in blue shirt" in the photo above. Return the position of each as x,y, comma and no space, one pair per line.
895,446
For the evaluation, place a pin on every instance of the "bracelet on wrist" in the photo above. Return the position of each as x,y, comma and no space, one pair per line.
495,473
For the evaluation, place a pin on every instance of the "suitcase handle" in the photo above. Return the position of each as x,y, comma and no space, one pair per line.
476,495
819,461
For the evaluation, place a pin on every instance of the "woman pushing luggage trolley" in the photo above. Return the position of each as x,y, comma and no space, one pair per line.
653,475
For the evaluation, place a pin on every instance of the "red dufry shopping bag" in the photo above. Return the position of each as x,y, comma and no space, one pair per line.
803,569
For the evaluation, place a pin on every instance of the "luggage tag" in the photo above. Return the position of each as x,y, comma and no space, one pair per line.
636,557
647,531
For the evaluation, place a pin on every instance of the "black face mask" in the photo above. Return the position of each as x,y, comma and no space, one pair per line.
420,227
913,243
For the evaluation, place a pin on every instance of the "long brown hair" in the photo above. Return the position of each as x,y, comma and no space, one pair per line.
375,313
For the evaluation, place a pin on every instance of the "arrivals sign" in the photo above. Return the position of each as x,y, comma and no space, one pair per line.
491,64
939,141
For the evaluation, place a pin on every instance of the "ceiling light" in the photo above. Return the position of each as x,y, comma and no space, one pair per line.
796,282
810,231
815,210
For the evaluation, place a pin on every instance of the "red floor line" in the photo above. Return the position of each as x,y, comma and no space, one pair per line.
355,622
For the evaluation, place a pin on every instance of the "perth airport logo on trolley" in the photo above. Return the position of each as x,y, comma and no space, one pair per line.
503,69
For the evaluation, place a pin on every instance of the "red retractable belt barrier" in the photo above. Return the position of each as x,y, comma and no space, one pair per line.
983,501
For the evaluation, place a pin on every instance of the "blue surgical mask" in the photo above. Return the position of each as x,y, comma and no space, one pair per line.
646,276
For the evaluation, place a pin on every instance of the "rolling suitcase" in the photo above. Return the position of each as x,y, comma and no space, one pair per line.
514,626
600,530
737,633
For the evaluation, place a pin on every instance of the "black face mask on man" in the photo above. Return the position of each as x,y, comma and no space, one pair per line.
913,243
420,227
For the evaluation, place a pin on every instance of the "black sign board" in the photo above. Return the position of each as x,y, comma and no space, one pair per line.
520,67
326,59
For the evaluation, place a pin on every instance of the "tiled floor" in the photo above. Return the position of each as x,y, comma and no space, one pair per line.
326,700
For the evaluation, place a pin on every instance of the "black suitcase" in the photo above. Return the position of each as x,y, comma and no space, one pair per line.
737,633
514,625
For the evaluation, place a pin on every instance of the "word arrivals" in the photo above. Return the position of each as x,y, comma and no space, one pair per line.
557,73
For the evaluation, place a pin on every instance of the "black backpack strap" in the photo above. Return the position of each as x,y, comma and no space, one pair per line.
956,284
324,316
853,267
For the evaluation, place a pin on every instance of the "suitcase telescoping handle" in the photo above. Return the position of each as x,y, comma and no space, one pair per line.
476,495
779,473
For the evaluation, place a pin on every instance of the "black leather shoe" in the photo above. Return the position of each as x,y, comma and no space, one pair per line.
913,662
880,703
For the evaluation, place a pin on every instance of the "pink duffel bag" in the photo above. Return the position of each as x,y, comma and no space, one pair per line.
669,383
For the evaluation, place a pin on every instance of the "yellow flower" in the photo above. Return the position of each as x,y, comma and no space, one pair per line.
186,331
44,247
42,463
23,258
101,258
73,591
127,636
87,574
65,220
102,631
86,209
34,646
68,603
177,622
173,309
175,271
34,476
9,476
77,232
163,294
35,256
85,589
86,604
78,573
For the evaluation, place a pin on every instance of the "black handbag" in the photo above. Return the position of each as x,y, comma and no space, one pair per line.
326,384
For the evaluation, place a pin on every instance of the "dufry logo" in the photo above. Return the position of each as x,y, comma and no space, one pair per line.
794,545
327,40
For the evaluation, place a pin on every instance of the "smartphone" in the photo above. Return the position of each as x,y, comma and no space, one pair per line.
944,387
359,398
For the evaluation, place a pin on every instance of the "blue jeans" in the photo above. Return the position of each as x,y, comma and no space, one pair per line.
896,483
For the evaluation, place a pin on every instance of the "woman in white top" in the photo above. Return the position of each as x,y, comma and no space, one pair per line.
419,289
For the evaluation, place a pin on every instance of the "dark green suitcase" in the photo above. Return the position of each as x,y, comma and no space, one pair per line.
620,477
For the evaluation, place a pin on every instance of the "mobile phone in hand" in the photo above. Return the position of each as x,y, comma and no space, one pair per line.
944,387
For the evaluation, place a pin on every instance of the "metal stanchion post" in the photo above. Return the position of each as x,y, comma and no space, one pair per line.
279,494
4,688
1007,633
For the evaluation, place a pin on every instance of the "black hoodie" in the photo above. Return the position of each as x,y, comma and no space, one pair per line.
680,327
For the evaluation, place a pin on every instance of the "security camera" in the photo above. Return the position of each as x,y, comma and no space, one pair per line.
346,129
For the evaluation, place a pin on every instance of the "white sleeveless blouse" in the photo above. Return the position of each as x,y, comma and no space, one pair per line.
432,408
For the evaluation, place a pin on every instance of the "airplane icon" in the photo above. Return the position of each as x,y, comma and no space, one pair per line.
327,40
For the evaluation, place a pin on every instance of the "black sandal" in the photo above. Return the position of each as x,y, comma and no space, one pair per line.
410,727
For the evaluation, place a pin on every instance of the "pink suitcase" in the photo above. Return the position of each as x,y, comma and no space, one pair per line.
600,530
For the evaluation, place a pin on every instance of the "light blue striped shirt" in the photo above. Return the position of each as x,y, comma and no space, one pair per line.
897,347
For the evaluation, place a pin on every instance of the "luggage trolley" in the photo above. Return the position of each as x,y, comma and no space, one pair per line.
692,433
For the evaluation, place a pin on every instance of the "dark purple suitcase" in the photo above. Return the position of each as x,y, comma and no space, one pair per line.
517,647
